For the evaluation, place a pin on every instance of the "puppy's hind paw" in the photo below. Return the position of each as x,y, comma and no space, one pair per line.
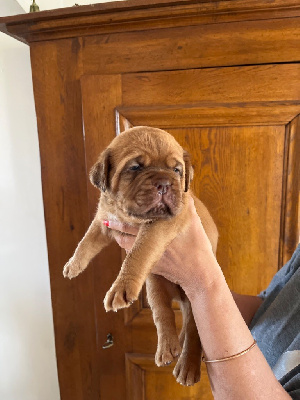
187,371
168,349
120,295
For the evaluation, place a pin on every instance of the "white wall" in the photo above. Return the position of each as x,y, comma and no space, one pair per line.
27,352
27,366
51,4
10,7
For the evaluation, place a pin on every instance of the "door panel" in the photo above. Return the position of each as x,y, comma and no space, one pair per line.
194,46
146,381
240,126
233,173
214,86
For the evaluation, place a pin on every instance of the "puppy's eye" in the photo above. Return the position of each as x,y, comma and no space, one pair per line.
135,167
177,170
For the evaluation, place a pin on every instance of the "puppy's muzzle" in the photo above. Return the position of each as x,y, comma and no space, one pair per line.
162,185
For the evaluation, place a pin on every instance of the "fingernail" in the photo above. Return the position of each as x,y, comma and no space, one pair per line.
105,222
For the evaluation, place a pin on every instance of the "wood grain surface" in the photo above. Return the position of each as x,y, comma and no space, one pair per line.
138,15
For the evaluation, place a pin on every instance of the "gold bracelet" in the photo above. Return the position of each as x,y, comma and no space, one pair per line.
230,357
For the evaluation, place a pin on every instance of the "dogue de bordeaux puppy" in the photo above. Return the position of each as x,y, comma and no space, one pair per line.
144,177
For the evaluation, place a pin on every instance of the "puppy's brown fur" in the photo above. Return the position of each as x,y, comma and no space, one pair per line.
144,177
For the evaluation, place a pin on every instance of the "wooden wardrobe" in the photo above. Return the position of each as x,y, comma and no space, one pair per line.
224,78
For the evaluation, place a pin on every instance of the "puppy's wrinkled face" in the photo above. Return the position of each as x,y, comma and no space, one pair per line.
151,186
145,172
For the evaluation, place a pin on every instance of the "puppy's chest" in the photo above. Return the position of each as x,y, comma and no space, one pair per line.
110,210
112,217
110,213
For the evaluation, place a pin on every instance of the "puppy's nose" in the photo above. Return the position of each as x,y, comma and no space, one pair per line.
162,185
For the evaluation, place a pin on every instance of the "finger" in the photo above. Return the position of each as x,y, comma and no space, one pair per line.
126,242
192,206
124,228
160,266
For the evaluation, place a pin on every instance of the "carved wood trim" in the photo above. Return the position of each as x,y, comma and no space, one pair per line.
290,213
136,366
122,122
256,113
139,15
134,373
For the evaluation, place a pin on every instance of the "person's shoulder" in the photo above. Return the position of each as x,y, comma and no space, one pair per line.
292,265
284,284
283,275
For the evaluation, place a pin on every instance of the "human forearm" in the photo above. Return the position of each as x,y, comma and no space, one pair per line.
223,333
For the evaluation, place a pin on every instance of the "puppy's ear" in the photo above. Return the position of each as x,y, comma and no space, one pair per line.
99,175
189,170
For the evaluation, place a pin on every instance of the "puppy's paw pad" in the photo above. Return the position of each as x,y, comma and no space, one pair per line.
167,351
119,296
187,372
71,269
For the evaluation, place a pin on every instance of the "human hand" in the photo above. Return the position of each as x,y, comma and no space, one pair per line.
124,234
187,260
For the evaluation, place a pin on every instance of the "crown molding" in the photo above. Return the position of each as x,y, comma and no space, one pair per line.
133,15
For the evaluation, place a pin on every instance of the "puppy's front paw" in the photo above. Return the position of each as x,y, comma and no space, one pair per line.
72,269
168,349
120,295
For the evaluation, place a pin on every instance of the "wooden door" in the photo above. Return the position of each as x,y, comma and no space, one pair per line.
241,126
